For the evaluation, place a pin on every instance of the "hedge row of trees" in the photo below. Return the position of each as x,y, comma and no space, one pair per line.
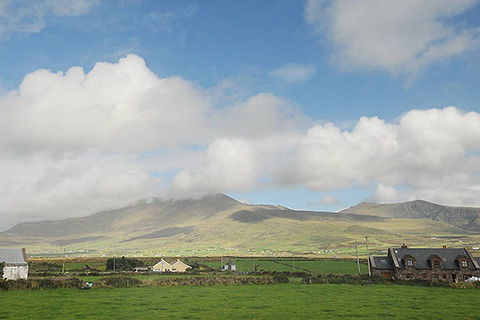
123,264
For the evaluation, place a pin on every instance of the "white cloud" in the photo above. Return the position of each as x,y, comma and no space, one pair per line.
429,153
293,72
27,17
229,164
75,143
402,37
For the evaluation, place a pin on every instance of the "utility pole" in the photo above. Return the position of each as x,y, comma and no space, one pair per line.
368,255
358,261
63,265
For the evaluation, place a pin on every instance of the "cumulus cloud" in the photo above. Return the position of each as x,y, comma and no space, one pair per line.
27,17
229,164
401,37
428,153
76,142
293,73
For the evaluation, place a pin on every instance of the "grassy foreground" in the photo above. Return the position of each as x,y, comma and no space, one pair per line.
283,301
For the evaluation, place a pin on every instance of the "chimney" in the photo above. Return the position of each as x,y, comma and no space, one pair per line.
24,254
404,246
444,247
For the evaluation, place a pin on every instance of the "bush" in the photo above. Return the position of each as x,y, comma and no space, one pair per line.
118,282
123,264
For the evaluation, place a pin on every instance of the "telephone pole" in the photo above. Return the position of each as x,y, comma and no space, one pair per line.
368,255
358,261
63,265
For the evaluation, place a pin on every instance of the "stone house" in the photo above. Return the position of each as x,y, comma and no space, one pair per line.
16,266
442,264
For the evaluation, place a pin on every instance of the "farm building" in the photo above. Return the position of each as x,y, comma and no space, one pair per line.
164,266
443,264
16,266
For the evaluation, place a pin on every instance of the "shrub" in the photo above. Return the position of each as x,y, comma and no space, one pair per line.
123,264
117,282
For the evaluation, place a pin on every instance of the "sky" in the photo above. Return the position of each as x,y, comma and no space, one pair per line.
310,104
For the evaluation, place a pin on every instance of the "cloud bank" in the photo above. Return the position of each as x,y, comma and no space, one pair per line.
77,142
401,37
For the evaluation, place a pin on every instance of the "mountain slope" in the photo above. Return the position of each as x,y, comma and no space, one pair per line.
461,217
218,224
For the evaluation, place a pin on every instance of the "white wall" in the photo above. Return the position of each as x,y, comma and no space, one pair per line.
15,272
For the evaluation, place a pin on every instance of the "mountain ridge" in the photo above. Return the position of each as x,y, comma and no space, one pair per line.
219,221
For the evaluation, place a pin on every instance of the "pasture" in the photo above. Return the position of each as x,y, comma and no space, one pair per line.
282,301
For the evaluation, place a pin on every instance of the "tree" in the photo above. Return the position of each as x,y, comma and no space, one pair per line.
2,265
123,264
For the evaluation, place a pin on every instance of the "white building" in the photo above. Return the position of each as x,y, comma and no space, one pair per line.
229,267
16,266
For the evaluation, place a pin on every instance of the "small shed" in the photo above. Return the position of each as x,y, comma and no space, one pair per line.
229,266
16,266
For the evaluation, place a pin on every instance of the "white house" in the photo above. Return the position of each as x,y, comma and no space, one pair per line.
16,266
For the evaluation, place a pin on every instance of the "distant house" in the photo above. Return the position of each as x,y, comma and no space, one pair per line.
162,266
16,266
442,264
229,266
179,266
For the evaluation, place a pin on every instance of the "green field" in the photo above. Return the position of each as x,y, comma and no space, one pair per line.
289,264
284,301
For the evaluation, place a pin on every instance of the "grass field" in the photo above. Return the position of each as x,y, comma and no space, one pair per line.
243,264
285,301
287,264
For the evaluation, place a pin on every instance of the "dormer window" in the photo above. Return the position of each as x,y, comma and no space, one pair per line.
436,263
464,263
409,261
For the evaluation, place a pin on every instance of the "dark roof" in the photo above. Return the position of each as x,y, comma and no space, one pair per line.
382,263
422,256
12,256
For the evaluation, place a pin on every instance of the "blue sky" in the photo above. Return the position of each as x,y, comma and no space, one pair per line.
309,69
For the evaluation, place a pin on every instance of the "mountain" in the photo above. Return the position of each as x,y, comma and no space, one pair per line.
218,225
461,217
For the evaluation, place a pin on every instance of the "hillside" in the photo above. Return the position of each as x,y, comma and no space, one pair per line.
461,217
218,225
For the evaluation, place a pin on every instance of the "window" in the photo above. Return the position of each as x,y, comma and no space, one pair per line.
444,276
410,263
464,263
436,263
435,276
424,276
